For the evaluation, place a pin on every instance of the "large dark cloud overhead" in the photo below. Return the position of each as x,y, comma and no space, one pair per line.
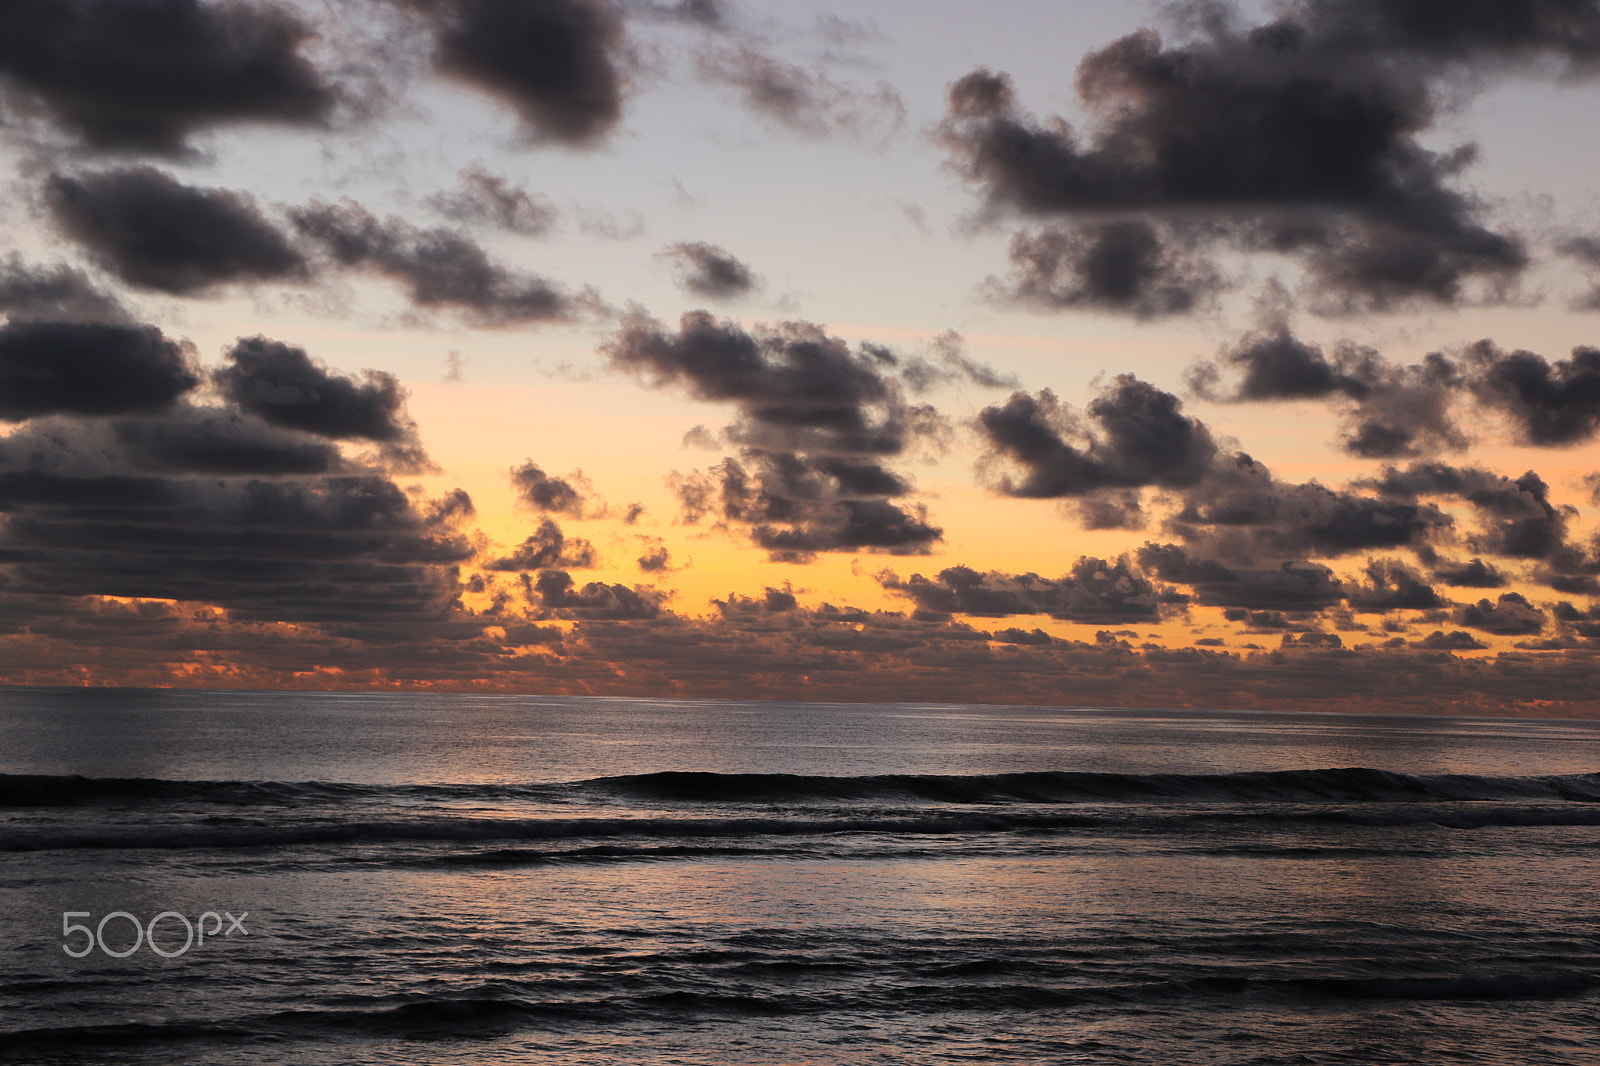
90,369
1459,31
1299,137
441,268
144,75
1393,411
152,231
558,63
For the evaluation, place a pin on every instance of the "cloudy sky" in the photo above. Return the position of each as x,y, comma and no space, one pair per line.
1072,353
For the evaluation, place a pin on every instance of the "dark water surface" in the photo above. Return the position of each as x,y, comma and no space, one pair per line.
450,879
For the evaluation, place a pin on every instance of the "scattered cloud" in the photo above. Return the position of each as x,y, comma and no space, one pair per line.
702,269
816,423
801,100
441,268
482,198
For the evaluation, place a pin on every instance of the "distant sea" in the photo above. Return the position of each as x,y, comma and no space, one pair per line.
316,878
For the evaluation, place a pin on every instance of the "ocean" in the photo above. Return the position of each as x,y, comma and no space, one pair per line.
275,877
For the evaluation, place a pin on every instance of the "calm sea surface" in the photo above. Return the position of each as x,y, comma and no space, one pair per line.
228,878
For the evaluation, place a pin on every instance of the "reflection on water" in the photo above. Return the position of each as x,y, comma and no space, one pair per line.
477,881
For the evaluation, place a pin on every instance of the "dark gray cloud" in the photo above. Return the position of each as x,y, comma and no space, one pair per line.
55,294
596,601
487,199
441,268
795,506
206,440
280,384
1456,640
1511,616
89,369
792,374
1519,519
1549,404
1388,411
1302,137
1584,624
558,63
1460,32
817,422
344,548
144,75
702,269
1476,574
548,548
1247,537
1294,587
1095,591
772,602
153,231
1358,268
1123,266
801,100
118,483
1243,513
1266,621
1391,585
56,453
656,558
1135,435
542,492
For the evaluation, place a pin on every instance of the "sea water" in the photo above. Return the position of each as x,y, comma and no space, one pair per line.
217,877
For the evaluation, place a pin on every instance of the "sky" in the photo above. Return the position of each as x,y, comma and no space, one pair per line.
1183,354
